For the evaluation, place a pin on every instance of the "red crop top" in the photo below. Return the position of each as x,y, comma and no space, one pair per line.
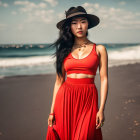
87,65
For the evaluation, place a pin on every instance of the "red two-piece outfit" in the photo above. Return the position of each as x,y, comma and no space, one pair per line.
76,102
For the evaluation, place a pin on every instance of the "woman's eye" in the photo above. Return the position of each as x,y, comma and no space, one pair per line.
82,22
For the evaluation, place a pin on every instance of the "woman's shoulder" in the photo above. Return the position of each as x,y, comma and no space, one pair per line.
101,48
98,46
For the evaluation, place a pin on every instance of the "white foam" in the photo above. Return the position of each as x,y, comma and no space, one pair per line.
129,53
124,56
28,61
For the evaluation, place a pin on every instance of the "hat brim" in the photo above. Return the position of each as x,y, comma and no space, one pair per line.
93,20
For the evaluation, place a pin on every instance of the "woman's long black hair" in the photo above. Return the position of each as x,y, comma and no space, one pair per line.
63,45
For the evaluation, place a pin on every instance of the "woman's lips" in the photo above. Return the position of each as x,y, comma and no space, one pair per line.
80,32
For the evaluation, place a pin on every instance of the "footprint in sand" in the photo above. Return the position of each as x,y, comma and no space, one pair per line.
136,123
125,107
129,101
0,133
134,132
117,117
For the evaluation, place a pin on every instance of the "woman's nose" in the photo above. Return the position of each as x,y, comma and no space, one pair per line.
78,25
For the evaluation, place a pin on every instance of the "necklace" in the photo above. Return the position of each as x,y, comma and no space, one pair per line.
80,45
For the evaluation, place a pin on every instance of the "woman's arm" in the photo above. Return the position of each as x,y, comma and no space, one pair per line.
103,70
58,83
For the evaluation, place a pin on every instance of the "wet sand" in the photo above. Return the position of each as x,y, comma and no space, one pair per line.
25,103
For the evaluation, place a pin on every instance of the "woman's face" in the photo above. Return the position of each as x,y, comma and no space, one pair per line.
79,24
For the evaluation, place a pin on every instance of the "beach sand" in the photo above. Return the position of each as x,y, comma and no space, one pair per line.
25,103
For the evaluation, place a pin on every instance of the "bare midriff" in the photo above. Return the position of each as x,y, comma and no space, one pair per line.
80,75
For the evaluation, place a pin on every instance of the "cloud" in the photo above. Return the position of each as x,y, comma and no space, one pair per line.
61,15
36,13
110,17
44,16
3,4
122,3
3,26
115,18
20,27
52,2
29,6
14,13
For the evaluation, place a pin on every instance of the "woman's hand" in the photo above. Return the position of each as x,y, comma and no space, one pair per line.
51,120
99,119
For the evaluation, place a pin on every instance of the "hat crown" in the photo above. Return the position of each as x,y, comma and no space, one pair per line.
73,10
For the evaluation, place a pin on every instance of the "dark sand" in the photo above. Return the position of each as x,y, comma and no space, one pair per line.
25,103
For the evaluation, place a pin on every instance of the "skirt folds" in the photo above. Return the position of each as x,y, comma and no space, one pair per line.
75,108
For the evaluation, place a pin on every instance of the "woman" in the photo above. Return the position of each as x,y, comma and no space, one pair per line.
74,112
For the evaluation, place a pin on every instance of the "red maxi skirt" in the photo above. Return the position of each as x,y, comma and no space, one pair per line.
75,108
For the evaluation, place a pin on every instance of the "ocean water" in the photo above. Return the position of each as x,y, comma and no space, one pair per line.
34,59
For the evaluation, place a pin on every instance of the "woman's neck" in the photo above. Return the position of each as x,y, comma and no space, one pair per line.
80,40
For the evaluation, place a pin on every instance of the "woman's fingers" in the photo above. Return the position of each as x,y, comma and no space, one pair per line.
51,121
99,119
98,126
98,122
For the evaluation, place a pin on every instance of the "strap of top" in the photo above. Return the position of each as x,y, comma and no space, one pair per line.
94,47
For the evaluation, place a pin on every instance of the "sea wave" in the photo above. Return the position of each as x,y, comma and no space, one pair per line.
28,61
123,56
130,53
115,57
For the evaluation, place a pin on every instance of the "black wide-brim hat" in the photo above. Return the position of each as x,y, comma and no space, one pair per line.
93,20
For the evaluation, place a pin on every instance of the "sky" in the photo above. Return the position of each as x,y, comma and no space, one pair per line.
34,21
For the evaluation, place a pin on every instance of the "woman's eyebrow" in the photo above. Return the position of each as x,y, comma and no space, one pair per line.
76,19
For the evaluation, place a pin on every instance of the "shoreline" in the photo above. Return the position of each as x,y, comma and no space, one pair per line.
18,76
